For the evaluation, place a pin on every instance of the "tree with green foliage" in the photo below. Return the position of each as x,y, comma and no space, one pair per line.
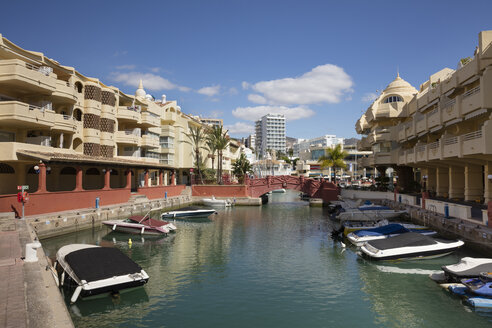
241,167
334,157
218,138
197,138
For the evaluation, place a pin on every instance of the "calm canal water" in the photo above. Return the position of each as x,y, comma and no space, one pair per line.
269,266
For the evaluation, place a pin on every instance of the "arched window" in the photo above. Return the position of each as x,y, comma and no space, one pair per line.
78,86
5,168
392,99
77,114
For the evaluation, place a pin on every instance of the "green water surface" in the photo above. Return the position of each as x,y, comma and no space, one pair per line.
269,266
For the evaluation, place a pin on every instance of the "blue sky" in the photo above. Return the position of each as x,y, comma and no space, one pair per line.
318,62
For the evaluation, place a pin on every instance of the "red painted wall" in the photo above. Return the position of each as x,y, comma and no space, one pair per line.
156,192
220,191
47,202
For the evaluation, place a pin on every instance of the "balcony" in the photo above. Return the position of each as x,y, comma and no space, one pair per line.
433,118
450,111
150,120
364,162
421,153
402,133
129,114
150,141
64,123
167,131
471,101
128,137
402,159
379,135
387,110
169,117
18,74
450,83
434,150
410,155
166,150
363,144
382,158
451,147
23,115
420,123
466,72
65,91
410,130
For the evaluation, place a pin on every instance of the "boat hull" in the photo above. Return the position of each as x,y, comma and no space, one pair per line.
177,214
136,230
405,253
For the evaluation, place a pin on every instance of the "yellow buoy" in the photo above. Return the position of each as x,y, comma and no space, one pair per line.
130,242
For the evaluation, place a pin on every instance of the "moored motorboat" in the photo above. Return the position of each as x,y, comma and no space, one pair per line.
188,212
216,202
481,286
368,214
359,237
94,270
410,245
142,225
279,191
466,268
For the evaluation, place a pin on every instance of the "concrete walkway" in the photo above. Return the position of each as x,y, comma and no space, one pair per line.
29,296
12,301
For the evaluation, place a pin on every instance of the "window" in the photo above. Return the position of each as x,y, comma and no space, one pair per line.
392,99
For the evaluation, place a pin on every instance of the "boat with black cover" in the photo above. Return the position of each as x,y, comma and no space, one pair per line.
94,270
188,212
142,225
466,268
410,245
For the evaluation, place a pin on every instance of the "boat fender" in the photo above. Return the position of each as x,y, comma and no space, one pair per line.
76,294
114,227
62,278
54,274
142,231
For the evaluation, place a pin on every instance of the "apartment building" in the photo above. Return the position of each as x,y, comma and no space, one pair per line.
212,121
270,134
440,135
312,149
80,134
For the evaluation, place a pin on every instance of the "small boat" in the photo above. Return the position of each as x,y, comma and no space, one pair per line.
368,213
466,268
481,286
216,202
279,191
410,245
142,225
188,212
95,270
359,237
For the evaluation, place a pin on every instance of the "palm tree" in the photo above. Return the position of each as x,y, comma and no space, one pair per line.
218,141
197,138
242,167
212,149
334,157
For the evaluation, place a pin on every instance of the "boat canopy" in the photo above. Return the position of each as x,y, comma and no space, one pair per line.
98,263
388,229
409,239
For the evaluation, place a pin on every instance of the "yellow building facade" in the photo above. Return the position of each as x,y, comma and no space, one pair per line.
54,114
439,135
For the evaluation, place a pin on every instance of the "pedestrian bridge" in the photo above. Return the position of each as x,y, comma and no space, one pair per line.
314,188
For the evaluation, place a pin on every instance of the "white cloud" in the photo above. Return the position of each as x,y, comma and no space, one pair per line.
323,84
233,91
216,114
245,85
257,99
150,81
210,91
120,53
369,97
126,67
155,69
254,113
240,128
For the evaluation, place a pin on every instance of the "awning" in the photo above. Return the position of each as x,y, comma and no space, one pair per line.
84,159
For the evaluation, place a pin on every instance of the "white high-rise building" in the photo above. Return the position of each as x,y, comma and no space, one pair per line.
303,147
270,134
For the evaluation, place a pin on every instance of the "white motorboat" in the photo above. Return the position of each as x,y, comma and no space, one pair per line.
94,270
466,268
410,245
359,237
188,212
365,213
142,225
279,191
216,202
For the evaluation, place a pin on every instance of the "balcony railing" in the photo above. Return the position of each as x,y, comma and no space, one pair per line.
450,141
471,92
449,103
472,135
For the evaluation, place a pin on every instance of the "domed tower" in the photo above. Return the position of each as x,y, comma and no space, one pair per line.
140,93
